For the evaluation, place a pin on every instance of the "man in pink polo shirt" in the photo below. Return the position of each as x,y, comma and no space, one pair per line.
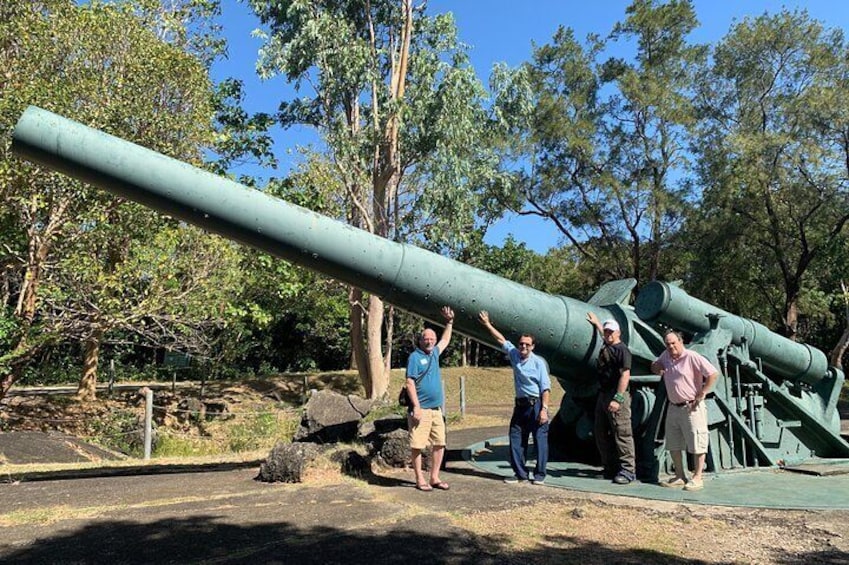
688,377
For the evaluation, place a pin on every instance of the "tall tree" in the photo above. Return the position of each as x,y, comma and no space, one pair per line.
399,108
603,143
775,155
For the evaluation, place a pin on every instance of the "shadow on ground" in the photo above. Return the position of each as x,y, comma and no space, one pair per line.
205,539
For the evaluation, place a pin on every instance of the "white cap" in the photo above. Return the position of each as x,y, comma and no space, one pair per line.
610,325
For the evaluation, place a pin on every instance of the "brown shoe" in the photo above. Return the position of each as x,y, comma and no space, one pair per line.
674,482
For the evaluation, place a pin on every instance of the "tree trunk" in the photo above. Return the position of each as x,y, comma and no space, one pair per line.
374,333
791,316
14,361
358,348
87,389
387,341
836,355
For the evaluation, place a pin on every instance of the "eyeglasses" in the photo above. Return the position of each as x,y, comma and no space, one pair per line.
526,344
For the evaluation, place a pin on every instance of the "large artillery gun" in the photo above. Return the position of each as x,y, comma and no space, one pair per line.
775,402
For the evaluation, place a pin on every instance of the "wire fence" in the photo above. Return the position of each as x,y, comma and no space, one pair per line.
173,425
184,426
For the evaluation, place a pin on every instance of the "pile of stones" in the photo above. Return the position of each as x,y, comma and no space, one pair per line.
337,426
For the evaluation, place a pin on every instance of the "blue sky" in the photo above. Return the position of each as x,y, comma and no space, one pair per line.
498,31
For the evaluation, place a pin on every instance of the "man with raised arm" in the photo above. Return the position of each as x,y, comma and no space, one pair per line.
530,410
614,436
424,413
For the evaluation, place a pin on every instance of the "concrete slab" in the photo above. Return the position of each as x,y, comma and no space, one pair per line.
767,488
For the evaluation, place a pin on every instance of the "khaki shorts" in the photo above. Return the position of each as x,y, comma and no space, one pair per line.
687,429
430,430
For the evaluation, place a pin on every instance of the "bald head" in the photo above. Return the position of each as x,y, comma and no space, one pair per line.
427,340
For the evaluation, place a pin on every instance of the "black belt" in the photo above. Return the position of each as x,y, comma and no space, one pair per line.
680,404
526,400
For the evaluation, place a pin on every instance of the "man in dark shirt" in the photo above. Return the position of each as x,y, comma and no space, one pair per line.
613,434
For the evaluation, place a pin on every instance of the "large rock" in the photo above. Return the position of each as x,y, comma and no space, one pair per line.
288,462
393,449
353,463
332,417
388,440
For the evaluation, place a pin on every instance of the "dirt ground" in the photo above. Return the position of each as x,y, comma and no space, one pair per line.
229,517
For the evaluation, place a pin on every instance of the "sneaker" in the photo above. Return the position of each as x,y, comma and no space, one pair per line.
624,478
538,482
514,480
674,482
695,484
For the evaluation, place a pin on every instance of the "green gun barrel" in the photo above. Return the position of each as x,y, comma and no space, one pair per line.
409,277
659,301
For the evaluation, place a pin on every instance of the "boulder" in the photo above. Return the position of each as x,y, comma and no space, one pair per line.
216,410
332,417
392,449
288,462
387,440
353,463
191,410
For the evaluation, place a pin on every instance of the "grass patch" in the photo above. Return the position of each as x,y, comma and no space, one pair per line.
246,432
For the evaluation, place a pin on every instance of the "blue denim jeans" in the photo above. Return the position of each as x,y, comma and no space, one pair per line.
523,423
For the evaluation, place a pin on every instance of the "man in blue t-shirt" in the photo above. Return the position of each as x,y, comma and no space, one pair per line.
424,415
530,412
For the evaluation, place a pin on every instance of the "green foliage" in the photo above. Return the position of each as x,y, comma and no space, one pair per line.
284,318
600,143
239,137
175,446
118,431
773,164
96,264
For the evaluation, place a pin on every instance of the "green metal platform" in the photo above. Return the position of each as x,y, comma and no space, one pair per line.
812,486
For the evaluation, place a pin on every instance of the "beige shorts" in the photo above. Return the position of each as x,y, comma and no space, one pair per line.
429,431
687,429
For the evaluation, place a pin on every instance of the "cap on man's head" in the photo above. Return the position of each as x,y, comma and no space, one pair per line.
611,325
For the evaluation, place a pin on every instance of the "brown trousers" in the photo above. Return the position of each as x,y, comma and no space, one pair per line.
614,435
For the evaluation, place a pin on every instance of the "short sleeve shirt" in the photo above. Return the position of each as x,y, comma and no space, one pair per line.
684,376
530,376
424,369
611,361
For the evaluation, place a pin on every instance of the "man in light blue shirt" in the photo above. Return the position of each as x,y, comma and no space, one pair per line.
530,412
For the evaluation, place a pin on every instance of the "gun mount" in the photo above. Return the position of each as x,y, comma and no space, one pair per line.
775,401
